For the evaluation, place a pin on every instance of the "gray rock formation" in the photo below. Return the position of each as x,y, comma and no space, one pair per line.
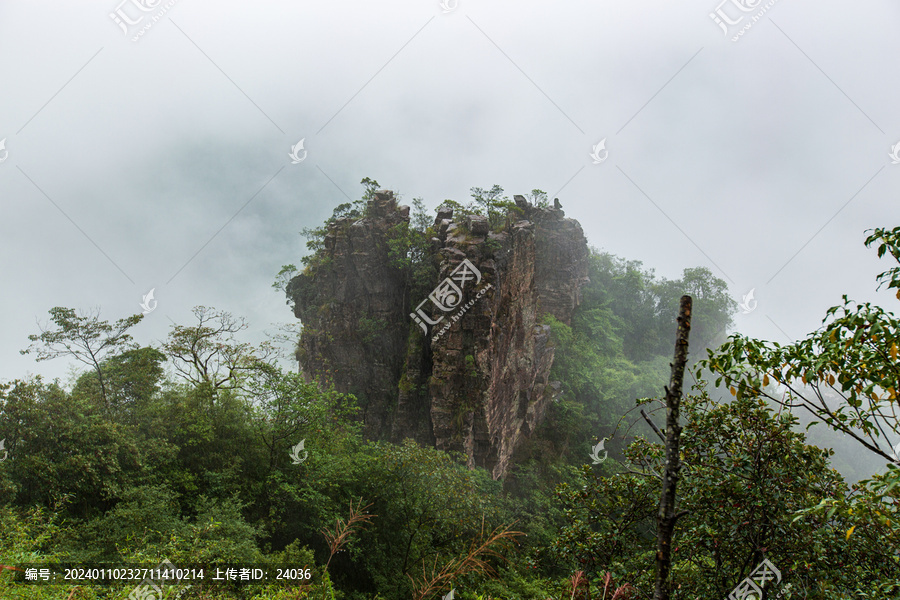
478,382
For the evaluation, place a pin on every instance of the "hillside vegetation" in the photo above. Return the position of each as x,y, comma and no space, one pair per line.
190,451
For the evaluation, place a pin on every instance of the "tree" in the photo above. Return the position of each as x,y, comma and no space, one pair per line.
85,338
539,198
845,374
618,346
430,505
713,305
644,304
131,377
420,220
283,278
208,355
287,408
64,447
746,474
486,198
315,236
371,186
665,521
492,205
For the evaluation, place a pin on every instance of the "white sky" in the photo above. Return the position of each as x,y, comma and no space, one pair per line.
163,163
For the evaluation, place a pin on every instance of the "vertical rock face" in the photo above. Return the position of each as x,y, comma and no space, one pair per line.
478,382
353,310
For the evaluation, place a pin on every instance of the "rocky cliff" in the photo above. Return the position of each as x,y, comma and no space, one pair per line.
465,367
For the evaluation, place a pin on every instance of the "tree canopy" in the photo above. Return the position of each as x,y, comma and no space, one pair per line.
186,450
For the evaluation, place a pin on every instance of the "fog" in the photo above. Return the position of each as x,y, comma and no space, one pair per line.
158,158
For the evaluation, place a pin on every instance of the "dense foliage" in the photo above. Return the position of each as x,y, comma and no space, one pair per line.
202,450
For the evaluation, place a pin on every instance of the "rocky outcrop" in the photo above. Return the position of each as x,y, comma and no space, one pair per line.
478,381
353,310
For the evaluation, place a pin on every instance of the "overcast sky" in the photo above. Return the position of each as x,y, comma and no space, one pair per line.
160,160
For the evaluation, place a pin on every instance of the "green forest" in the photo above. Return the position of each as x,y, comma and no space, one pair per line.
203,450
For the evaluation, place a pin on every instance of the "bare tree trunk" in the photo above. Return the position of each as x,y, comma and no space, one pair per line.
665,523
